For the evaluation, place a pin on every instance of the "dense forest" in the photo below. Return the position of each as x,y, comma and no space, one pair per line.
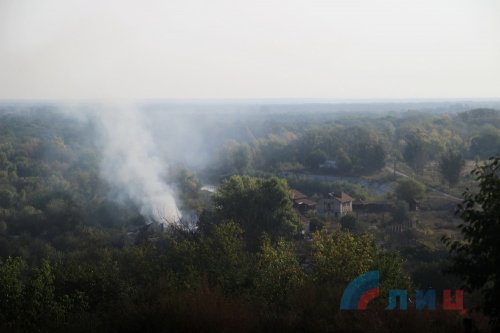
243,257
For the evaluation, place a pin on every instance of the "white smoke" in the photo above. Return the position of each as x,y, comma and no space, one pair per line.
132,165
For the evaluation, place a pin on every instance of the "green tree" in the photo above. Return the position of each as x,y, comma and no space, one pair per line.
400,213
223,255
188,183
235,157
315,158
41,306
188,190
12,288
341,256
278,272
344,163
259,205
450,166
349,222
409,190
476,258
392,273
94,273
415,153
7,198
183,260
371,157
271,153
486,143
316,223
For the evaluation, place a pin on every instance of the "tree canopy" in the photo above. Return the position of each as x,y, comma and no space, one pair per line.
409,190
259,205
451,165
477,256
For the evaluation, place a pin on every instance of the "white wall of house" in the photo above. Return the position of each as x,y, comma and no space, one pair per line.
333,207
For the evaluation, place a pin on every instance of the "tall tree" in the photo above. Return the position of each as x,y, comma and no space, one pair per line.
259,205
486,143
341,256
223,257
278,272
409,190
235,157
349,222
451,166
315,158
415,153
476,258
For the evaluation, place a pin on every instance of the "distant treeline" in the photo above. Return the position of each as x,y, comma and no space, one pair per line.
360,145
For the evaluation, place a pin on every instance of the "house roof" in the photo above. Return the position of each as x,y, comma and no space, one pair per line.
296,195
342,197
305,201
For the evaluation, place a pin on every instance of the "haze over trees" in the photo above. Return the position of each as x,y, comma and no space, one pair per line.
77,254
451,166
415,153
409,190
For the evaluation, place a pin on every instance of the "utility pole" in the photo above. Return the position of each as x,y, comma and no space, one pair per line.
394,168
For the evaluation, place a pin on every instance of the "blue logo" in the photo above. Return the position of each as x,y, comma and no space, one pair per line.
365,288
361,291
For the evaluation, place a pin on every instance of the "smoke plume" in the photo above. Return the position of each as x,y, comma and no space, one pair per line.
132,165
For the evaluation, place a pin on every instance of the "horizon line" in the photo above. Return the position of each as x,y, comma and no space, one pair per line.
269,100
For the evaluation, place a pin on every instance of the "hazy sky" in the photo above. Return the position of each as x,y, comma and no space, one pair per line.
249,49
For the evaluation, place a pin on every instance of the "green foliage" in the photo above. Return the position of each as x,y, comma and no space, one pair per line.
486,143
477,257
481,117
28,299
340,257
273,153
41,302
316,187
235,158
70,261
315,158
344,162
356,150
7,198
401,212
450,166
224,257
415,153
409,190
12,289
349,222
278,272
316,223
188,182
189,187
392,273
259,205
95,273
184,262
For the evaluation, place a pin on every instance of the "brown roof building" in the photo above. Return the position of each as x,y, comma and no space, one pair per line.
335,204
302,202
